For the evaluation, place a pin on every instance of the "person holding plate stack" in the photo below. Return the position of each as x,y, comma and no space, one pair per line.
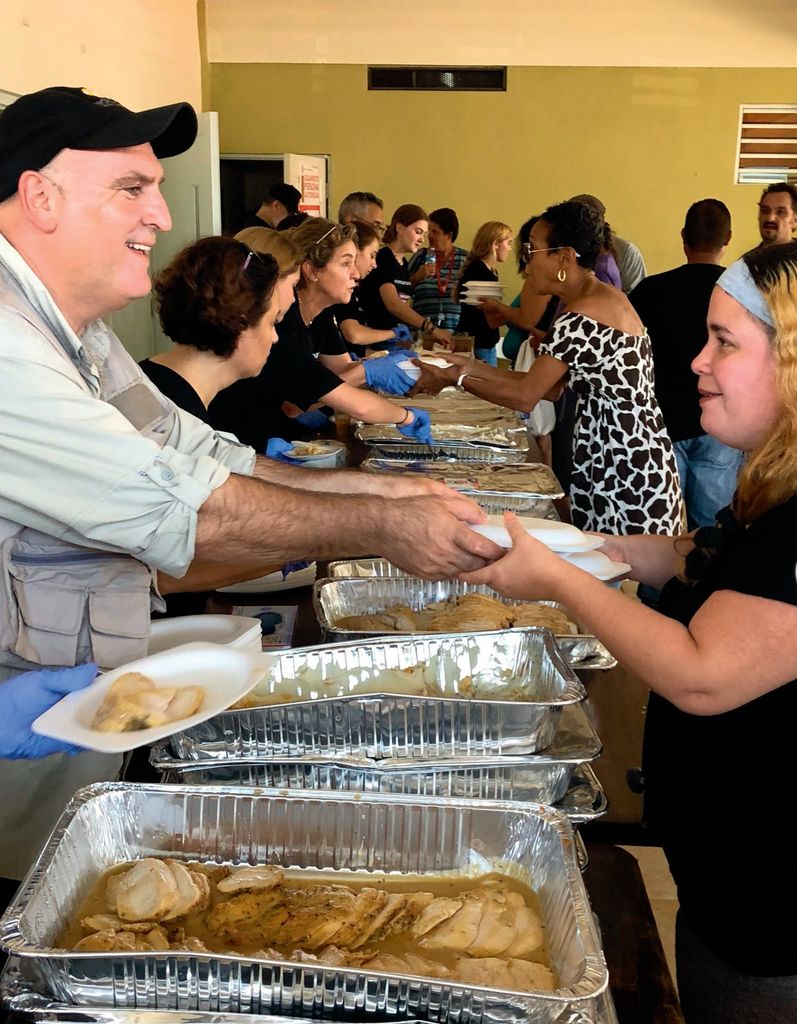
491,246
721,658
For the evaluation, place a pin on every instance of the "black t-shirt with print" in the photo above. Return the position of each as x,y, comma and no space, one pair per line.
472,320
252,409
389,270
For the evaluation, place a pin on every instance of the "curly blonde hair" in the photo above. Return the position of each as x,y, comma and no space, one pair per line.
769,476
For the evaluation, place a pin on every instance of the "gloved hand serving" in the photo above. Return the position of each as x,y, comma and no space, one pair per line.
384,373
25,697
402,333
420,429
313,420
276,448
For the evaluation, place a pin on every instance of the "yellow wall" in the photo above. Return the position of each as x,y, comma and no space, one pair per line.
144,53
648,142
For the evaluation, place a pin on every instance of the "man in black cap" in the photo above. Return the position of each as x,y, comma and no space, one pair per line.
282,200
106,487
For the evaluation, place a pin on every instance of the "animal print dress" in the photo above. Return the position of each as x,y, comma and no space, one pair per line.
624,477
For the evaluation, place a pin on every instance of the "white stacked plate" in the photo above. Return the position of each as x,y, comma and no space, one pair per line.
228,630
567,541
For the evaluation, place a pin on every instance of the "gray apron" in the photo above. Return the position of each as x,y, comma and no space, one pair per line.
62,604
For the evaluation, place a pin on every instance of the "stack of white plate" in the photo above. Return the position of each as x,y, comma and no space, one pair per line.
473,291
567,541
228,630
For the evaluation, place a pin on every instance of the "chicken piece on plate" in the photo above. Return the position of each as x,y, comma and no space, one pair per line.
193,891
244,911
265,876
135,702
147,892
521,975
108,941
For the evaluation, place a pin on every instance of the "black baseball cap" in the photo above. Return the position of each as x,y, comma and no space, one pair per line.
37,126
285,194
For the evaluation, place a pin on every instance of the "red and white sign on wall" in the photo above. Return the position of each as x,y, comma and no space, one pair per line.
308,174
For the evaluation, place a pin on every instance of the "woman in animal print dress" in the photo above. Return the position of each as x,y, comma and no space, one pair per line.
624,477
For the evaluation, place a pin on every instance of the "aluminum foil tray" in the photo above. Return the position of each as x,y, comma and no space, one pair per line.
20,1000
527,480
561,775
449,453
507,434
334,598
583,799
376,725
111,822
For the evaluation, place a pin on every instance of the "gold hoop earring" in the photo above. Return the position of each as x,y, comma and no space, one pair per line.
561,275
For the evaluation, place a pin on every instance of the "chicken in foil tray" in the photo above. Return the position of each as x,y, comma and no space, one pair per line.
460,614
501,433
482,931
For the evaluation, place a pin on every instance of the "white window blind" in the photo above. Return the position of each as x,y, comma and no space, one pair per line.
766,150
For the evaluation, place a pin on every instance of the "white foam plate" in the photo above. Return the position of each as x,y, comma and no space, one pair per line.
409,368
560,537
598,564
273,581
228,630
474,301
226,674
299,453
434,361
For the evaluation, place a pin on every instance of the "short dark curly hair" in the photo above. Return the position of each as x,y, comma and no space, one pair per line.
212,291
576,225
446,219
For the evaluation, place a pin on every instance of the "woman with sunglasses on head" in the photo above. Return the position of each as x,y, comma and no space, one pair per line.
350,316
491,246
624,476
302,371
218,302
721,660
385,294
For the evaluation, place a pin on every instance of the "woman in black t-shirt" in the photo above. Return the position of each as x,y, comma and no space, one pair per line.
721,660
491,246
310,366
217,301
385,294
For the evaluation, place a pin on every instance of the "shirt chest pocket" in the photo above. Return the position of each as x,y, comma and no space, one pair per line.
77,606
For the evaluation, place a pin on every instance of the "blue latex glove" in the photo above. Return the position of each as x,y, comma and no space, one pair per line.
421,427
290,567
313,420
384,374
276,448
402,333
25,697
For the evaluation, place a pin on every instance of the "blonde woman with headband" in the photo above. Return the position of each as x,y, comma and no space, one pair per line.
491,246
299,374
721,659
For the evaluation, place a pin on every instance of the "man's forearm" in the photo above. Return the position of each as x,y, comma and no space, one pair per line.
248,521
329,481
